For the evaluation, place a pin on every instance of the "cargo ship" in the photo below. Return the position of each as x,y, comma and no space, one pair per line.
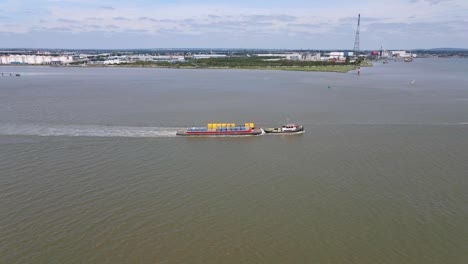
222,129
285,129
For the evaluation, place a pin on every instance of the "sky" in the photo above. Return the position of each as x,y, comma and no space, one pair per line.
293,24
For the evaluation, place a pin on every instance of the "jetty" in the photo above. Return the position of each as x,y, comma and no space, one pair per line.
8,74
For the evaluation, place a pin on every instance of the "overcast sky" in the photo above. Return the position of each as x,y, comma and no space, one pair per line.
292,24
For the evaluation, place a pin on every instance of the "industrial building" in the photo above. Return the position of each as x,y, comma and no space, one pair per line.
340,55
400,54
146,58
35,59
208,56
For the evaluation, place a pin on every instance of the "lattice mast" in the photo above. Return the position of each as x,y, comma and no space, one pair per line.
356,39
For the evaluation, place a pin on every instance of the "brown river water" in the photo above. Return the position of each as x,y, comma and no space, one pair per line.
91,170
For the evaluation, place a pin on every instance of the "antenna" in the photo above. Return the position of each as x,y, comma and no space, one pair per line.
356,39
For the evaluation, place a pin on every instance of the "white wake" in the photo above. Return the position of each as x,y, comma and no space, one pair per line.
86,131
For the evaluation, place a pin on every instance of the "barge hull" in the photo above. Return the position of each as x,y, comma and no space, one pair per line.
253,132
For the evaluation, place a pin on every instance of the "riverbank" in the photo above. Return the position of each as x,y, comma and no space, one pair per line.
334,68
322,68
304,67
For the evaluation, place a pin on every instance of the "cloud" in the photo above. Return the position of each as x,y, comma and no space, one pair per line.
282,18
137,31
215,21
305,25
67,29
418,28
364,19
94,26
432,2
147,19
71,21
168,20
228,25
107,7
121,18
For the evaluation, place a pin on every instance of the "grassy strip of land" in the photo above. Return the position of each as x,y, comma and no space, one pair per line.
334,68
251,63
326,68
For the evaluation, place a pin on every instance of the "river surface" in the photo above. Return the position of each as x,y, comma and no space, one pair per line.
91,170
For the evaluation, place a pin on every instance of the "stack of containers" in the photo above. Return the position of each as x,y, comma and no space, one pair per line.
249,125
226,127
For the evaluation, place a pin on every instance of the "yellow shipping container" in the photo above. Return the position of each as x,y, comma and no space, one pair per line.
247,124
252,125
233,125
223,124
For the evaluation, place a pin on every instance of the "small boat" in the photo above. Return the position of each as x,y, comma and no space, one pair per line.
285,129
409,59
224,129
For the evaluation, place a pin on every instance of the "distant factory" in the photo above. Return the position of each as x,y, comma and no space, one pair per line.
208,56
334,56
35,59
92,57
110,60
391,54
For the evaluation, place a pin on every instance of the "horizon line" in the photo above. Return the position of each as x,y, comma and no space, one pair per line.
213,48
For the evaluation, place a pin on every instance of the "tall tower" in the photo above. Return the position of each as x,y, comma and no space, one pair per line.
356,40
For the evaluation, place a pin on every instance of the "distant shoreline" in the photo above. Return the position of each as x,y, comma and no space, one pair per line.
335,68
327,68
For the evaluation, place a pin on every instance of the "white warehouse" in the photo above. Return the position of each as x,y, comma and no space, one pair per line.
35,59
